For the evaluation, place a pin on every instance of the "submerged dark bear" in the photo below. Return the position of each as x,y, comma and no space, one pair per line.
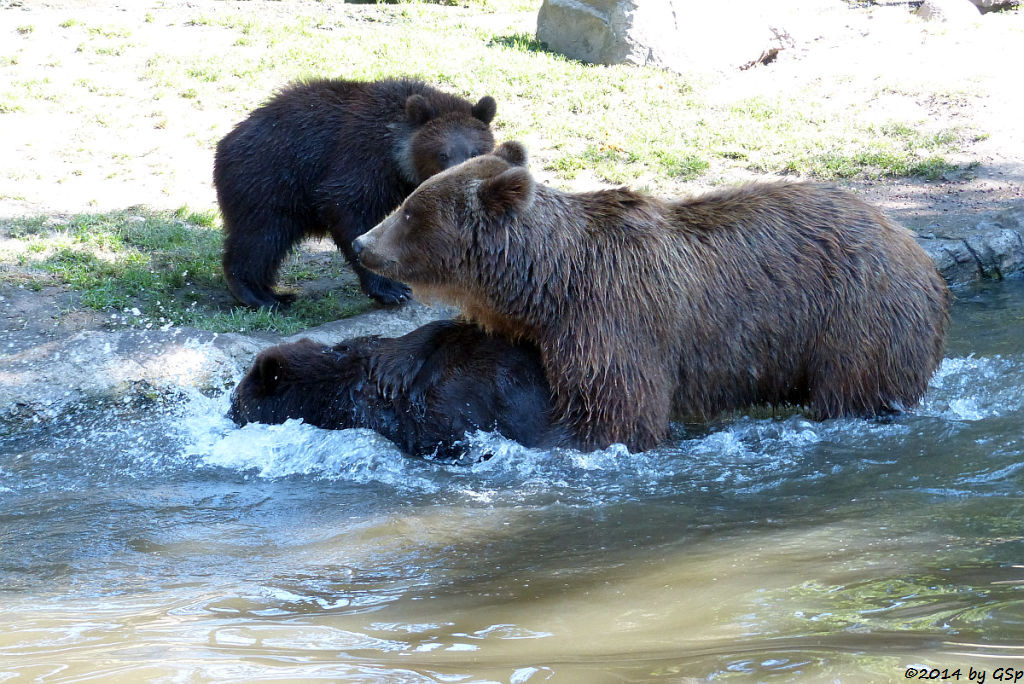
424,391
333,157
776,293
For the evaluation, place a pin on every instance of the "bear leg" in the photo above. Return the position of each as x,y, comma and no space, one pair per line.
251,261
384,290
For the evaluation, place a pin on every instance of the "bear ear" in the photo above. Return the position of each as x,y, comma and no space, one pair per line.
512,151
269,368
485,109
510,190
418,110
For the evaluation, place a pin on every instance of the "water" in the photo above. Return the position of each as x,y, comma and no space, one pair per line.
161,543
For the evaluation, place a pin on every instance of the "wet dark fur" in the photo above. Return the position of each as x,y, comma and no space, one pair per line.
776,293
423,391
333,157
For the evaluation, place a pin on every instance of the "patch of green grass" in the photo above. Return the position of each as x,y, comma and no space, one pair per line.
8,106
165,265
98,88
684,168
109,31
205,72
32,89
113,49
890,150
524,42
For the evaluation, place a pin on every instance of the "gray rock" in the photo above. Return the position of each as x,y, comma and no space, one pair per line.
992,5
673,34
953,259
948,10
992,249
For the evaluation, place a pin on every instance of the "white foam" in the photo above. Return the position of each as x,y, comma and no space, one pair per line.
972,389
746,452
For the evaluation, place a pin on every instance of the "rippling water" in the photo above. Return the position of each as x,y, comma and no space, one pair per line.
162,543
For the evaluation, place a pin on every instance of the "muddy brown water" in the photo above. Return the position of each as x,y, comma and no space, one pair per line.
167,545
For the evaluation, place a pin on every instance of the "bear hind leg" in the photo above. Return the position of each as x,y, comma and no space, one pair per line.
252,259
853,388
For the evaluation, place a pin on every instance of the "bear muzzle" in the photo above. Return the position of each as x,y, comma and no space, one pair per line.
358,245
365,253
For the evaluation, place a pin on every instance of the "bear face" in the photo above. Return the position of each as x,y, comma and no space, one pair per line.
441,142
424,242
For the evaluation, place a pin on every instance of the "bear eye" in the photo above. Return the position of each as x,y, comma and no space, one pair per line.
443,156
407,216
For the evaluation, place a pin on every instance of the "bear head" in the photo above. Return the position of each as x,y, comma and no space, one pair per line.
426,241
301,380
442,140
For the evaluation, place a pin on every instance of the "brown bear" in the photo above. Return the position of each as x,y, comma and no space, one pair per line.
767,293
333,157
424,391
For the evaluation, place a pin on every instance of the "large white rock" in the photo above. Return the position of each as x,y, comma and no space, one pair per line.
676,34
948,10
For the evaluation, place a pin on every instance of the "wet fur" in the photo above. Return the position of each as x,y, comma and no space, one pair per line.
424,391
332,158
766,293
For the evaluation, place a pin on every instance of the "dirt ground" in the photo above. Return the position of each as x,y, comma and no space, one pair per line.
955,75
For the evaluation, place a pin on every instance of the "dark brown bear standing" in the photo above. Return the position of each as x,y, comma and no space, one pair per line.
770,293
423,391
332,157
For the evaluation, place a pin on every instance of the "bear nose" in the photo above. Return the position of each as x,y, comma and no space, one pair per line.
357,246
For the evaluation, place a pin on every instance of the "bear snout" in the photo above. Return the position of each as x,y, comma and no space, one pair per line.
358,245
365,252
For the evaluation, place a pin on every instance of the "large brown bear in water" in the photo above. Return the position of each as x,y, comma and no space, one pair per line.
777,293
333,157
424,391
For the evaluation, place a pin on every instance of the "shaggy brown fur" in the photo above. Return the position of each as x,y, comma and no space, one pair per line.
770,293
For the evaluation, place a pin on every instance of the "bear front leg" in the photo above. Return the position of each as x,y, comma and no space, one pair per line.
384,290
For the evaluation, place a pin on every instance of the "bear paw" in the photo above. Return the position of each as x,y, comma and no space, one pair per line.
386,291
